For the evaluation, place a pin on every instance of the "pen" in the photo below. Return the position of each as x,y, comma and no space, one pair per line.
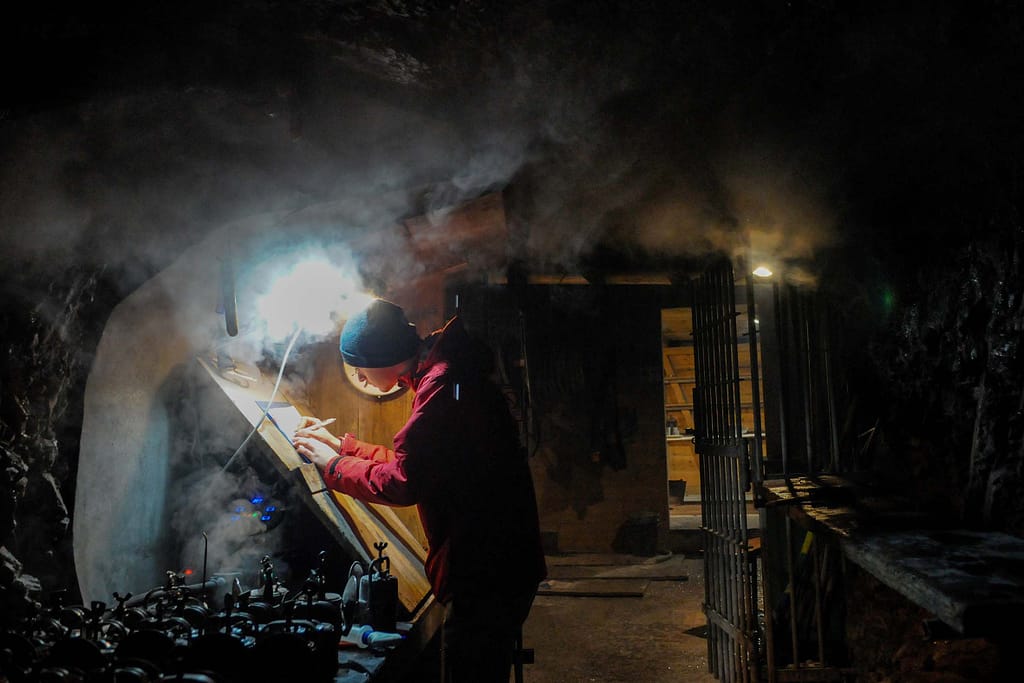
317,425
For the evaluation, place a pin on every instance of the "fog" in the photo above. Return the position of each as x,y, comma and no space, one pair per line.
596,129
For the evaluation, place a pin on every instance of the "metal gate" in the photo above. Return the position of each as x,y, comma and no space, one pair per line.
730,572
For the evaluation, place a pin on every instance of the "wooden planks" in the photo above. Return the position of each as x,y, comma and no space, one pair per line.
595,588
971,580
668,571
608,576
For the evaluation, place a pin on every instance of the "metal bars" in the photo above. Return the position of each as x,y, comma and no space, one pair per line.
801,572
730,587
802,427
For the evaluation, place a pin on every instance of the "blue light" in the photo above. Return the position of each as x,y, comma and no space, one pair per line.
256,500
234,518
265,518
270,508
238,509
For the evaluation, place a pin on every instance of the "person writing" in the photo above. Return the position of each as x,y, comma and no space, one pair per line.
458,459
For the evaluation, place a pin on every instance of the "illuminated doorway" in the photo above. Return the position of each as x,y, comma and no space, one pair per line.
679,379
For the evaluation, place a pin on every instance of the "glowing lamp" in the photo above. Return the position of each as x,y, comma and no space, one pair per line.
309,296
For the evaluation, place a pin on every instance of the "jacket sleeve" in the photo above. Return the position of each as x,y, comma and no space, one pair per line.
401,476
352,446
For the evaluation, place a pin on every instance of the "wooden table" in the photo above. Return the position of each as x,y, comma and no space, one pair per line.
973,581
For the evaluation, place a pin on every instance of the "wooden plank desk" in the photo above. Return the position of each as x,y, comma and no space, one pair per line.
355,525
973,581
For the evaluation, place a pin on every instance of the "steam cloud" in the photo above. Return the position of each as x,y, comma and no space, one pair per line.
204,498
128,180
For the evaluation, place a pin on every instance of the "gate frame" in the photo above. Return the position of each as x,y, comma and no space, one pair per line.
730,563
794,363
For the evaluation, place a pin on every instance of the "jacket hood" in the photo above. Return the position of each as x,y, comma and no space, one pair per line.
452,344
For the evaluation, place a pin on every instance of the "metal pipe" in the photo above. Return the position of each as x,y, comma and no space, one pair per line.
830,397
757,466
732,349
792,593
721,490
713,370
702,424
740,481
769,600
820,630
808,378
206,553
722,380
733,434
781,392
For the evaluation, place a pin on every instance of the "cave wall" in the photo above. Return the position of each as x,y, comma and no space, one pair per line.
937,380
932,317
49,324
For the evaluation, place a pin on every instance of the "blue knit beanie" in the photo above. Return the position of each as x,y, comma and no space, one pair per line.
378,336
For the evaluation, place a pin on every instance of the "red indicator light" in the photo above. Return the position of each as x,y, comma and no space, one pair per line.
188,572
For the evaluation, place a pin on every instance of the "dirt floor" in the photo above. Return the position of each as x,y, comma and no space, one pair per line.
612,618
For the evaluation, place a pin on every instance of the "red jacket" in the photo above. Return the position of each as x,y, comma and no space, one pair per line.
458,459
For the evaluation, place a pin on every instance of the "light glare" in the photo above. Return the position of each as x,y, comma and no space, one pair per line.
309,297
763,271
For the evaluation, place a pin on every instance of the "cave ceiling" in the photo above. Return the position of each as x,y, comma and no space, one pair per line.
622,132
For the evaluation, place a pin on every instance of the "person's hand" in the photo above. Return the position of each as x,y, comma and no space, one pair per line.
310,428
318,452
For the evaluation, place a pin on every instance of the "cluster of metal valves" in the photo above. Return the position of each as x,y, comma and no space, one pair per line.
173,634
